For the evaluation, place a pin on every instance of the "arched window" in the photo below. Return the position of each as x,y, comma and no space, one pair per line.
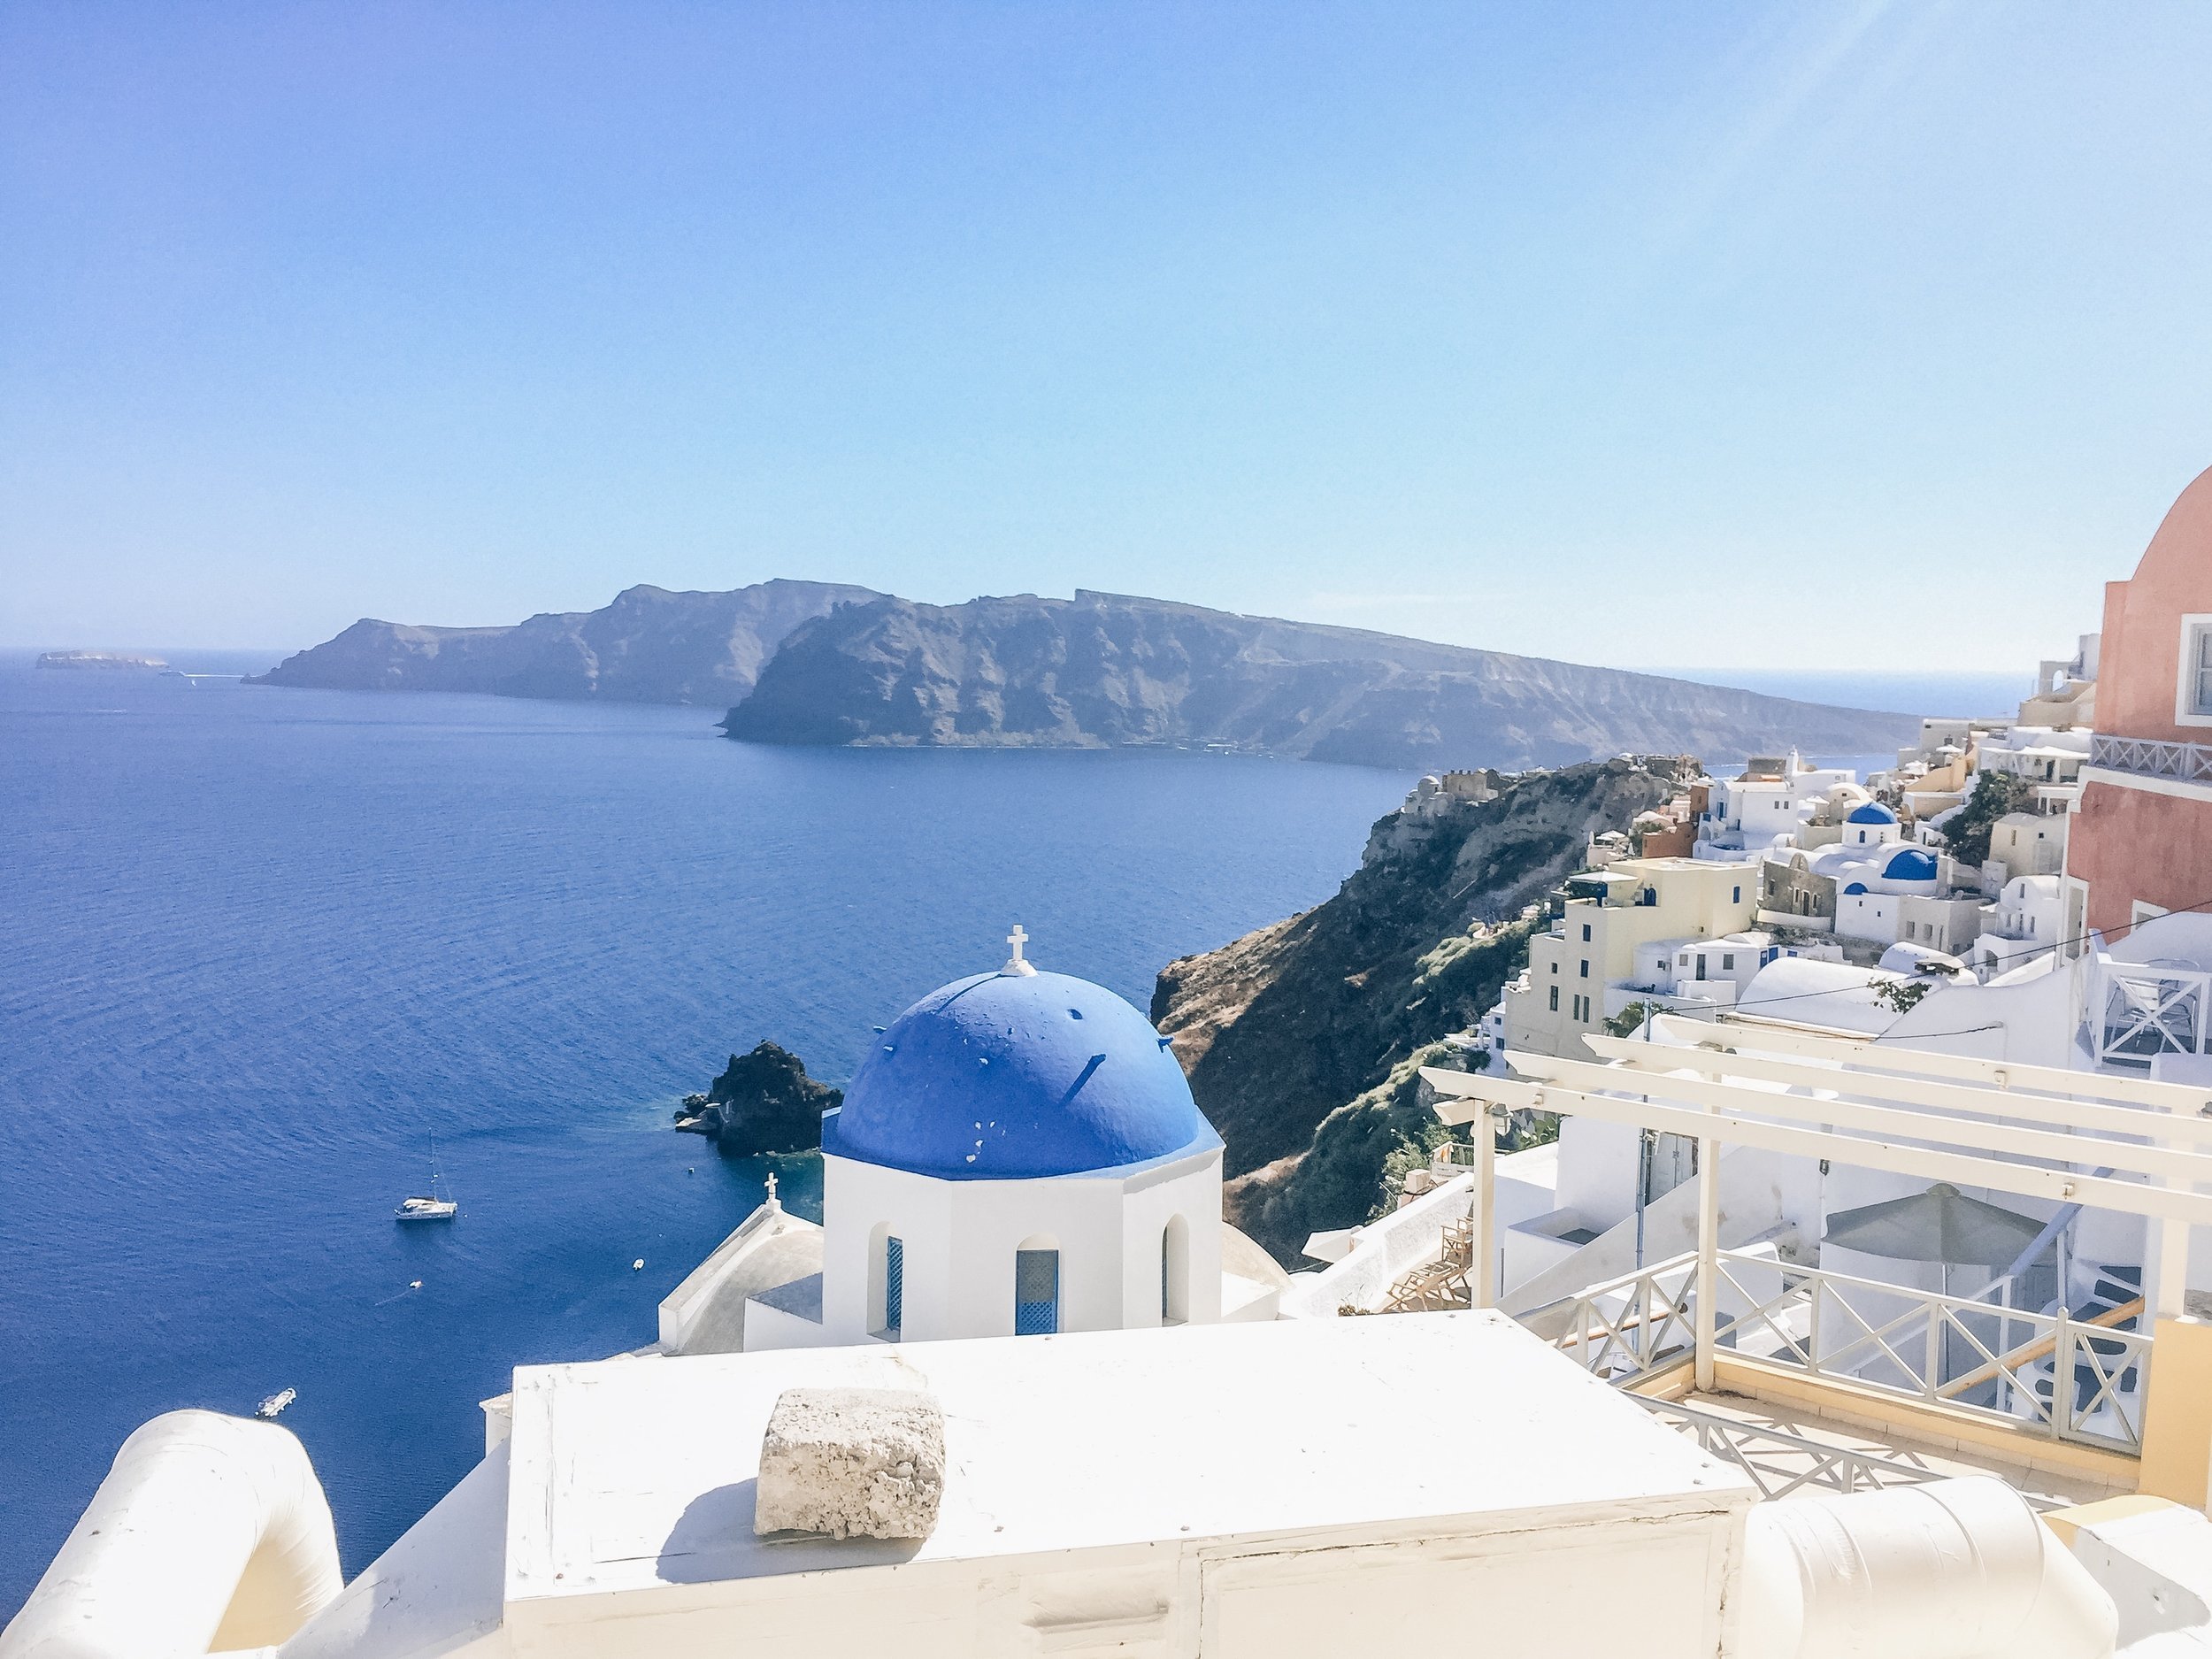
1175,1272
1037,1288
887,1284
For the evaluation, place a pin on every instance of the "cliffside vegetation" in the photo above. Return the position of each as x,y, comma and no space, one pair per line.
1302,1039
1995,793
1358,1155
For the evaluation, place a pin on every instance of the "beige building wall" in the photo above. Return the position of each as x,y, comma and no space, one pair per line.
2029,843
1594,942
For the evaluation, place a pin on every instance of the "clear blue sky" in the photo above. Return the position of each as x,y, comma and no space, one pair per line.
1806,335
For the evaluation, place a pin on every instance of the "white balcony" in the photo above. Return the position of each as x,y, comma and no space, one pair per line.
2149,757
2053,1374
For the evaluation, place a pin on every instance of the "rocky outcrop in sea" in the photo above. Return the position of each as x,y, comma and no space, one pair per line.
764,1102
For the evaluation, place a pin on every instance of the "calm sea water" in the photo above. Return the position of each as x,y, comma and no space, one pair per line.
1970,695
257,946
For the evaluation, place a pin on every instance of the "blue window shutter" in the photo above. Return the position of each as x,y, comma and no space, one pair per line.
1036,1292
894,1285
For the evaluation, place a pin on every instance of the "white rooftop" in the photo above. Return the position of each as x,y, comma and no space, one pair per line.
637,1477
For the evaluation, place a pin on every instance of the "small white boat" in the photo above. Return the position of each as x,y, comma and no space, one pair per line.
276,1403
432,1206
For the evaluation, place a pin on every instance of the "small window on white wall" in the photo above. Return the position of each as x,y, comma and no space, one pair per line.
887,1284
894,1285
1037,1288
1175,1272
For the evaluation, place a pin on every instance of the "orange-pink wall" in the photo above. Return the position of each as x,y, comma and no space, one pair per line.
2131,844
2141,650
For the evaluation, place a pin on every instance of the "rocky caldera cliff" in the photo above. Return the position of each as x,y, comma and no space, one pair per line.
648,646
1104,670
1300,1038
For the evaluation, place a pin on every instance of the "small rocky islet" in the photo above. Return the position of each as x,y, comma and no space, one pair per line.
764,1102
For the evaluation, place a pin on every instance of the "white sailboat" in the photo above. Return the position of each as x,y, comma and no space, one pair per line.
432,1206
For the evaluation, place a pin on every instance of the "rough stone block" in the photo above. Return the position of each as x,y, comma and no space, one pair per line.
867,1463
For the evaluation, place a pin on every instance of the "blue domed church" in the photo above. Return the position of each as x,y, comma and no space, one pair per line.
1017,1155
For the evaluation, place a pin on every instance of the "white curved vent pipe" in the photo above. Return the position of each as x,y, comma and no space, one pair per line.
209,1532
1951,1570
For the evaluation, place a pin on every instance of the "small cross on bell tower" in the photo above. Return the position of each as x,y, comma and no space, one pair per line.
1017,966
773,1204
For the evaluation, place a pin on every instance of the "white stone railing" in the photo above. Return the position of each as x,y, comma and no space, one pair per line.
2187,763
1380,1253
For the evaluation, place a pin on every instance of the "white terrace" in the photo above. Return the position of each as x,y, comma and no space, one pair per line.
1745,1346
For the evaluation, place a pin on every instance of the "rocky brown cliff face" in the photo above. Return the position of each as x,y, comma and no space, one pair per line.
1291,1036
648,646
1105,670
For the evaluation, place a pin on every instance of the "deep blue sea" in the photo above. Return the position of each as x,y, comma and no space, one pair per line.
258,946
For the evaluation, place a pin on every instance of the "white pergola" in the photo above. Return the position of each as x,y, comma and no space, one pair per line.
2039,1132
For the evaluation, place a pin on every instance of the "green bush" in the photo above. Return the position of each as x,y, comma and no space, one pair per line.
1995,793
1360,1157
1630,1020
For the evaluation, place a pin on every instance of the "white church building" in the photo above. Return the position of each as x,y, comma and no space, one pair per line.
1018,1154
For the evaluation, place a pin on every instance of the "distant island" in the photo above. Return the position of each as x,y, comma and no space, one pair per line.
107,662
824,663
1106,670
648,646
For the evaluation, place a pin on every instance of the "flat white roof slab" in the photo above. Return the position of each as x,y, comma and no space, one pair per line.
630,1479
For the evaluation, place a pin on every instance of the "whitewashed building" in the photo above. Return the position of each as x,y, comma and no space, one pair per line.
2026,921
1018,1154
1769,802
2048,761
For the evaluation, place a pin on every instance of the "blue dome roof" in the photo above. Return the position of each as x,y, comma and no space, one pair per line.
1006,1077
1855,887
1872,812
1911,865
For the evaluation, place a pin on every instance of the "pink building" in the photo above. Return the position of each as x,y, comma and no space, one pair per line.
2142,843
